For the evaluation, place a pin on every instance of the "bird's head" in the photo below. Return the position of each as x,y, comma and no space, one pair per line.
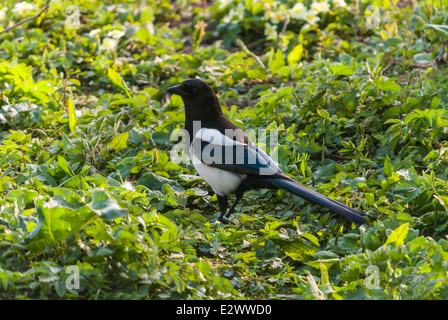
197,96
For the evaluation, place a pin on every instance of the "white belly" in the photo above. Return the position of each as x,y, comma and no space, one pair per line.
222,182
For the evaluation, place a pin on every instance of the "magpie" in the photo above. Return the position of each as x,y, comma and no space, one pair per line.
229,162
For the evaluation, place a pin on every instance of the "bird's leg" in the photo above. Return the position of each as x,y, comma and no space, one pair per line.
239,196
222,203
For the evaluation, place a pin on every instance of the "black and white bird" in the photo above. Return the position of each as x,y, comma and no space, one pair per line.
229,162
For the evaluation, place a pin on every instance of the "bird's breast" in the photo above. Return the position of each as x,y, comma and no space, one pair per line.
222,182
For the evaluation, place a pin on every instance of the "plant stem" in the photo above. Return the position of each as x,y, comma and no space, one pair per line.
26,20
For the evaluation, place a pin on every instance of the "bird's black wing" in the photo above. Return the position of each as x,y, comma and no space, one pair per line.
214,149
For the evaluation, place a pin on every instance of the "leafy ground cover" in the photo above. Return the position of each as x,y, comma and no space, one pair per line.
94,204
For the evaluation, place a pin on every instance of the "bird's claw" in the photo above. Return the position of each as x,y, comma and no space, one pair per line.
223,220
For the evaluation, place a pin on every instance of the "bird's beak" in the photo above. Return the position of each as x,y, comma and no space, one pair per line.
177,90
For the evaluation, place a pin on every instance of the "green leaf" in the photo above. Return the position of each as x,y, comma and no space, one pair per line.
72,115
153,181
398,235
106,207
435,102
388,167
369,197
326,262
204,268
417,243
442,30
277,62
423,58
161,137
387,85
324,278
56,220
295,55
119,142
63,164
143,35
341,70
297,249
118,81
403,216
68,198
311,237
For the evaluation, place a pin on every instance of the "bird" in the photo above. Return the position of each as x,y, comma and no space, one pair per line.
230,163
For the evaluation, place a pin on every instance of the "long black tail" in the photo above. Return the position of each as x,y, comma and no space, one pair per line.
311,195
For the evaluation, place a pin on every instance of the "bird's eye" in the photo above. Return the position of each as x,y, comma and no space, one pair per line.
195,90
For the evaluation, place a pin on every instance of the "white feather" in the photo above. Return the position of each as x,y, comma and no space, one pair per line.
222,182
